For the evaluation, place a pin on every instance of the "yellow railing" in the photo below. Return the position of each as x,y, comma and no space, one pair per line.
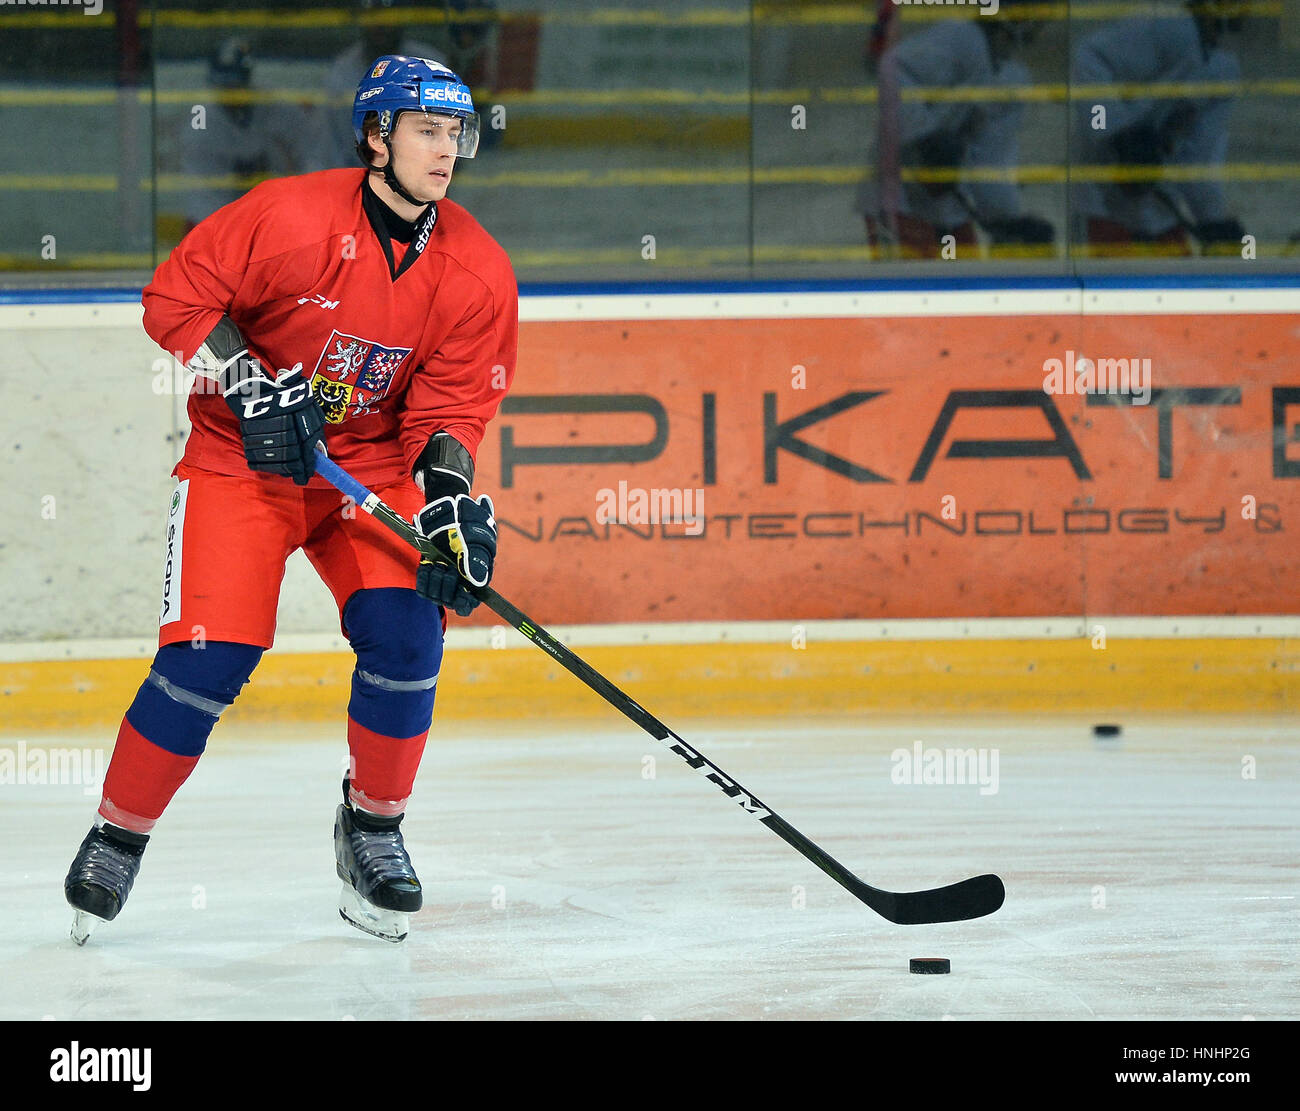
1044,174
601,98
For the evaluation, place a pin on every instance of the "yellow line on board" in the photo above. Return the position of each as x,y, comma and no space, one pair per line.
87,260
736,176
680,97
76,183
670,258
1161,90
1055,174
1209,675
33,98
667,258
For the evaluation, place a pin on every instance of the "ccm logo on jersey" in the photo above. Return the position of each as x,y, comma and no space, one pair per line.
320,300
439,93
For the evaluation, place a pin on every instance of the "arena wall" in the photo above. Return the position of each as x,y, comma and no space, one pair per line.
877,505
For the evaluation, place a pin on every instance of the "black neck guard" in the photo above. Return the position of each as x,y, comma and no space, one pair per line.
388,226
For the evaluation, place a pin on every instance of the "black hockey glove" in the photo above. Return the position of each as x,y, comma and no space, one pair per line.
1028,230
280,421
1141,145
940,150
1220,236
463,531
1145,144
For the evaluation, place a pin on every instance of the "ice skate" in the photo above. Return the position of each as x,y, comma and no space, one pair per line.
380,888
101,876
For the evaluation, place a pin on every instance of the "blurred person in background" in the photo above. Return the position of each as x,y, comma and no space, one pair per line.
471,40
946,137
240,141
393,27
1146,133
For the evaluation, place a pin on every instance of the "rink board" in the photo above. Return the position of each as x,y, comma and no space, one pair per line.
1246,675
884,456
894,467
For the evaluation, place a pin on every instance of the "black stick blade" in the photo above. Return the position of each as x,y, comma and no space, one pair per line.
972,898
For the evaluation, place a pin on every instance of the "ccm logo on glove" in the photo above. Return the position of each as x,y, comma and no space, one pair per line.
284,392
463,531
280,422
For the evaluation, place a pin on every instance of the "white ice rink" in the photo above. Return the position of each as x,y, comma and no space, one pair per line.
1146,877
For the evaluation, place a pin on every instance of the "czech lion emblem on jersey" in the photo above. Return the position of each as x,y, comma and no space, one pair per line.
353,375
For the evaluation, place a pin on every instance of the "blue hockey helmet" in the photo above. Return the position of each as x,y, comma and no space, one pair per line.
395,84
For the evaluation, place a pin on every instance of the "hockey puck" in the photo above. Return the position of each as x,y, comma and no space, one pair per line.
929,965
1105,730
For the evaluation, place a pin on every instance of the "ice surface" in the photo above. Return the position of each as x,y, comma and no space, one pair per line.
563,881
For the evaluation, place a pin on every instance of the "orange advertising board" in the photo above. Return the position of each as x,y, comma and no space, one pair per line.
899,468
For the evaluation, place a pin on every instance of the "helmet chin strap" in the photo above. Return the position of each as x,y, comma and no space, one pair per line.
390,178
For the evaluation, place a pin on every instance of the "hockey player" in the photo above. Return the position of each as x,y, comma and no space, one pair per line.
362,311
236,139
949,136
1165,51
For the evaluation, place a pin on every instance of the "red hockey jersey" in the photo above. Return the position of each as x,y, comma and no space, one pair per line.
296,264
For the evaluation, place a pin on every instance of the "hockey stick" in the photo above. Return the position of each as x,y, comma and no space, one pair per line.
1178,209
971,898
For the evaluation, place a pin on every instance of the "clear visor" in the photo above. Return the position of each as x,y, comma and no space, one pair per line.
437,126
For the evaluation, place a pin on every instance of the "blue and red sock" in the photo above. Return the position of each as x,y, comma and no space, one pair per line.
166,727
397,636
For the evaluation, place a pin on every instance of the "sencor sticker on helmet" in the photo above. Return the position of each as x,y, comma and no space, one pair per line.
439,92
